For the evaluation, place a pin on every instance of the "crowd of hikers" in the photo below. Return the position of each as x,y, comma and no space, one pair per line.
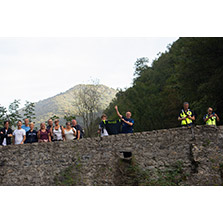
25,133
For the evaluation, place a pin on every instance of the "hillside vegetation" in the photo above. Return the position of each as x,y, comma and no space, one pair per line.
63,103
190,70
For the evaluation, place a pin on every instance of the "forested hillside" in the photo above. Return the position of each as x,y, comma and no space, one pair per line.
190,70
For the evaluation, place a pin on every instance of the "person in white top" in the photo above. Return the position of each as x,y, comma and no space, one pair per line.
69,132
19,135
57,132
102,130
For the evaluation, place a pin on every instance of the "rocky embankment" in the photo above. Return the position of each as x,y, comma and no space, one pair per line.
163,157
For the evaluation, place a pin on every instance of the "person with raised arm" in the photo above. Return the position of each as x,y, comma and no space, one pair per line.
127,122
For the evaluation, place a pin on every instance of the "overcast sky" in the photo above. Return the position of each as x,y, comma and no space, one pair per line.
37,68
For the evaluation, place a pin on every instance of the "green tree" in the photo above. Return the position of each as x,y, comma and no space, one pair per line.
54,117
69,117
141,64
200,73
14,114
3,115
190,70
29,111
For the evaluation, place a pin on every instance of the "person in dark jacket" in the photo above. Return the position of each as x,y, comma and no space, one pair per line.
80,132
50,124
127,122
6,134
31,135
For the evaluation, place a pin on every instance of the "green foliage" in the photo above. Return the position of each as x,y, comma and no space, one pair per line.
171,176
69,117
141,65
54,117
3,115
29,111
14,114
190,70
131,174
70,176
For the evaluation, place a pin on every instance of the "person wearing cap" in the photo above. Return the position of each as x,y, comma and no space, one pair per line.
211,118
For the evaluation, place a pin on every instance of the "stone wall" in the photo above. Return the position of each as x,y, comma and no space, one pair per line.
197,159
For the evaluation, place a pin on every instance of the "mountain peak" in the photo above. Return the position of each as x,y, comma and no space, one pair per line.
62,103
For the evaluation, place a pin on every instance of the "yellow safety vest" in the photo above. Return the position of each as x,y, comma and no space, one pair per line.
211,121
184,115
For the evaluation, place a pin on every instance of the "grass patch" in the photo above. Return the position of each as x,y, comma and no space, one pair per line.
206,143
131,174
69,177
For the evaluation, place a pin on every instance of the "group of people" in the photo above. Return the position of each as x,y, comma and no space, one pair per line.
124,125
187,116
27,134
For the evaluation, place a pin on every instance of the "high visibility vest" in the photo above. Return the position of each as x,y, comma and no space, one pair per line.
184,114
211,121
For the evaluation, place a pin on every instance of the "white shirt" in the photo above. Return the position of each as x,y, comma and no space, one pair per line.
4,141
57,134
105,132
19,135
69,135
